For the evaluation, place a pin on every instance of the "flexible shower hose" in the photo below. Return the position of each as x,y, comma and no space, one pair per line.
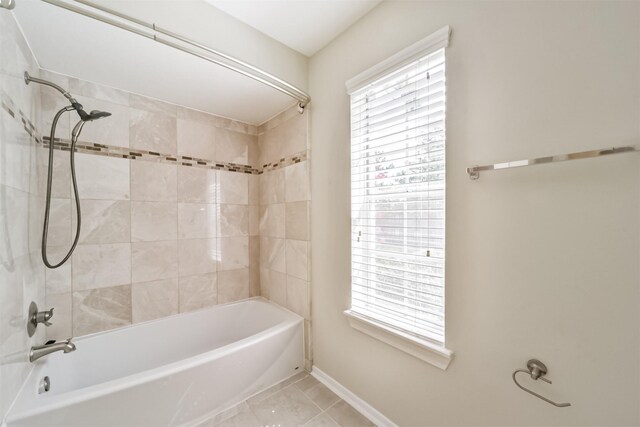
47,210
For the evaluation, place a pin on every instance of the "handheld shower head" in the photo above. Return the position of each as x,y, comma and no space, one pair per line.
95,115
84,118
89,117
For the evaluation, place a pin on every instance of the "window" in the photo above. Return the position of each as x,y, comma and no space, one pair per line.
398,200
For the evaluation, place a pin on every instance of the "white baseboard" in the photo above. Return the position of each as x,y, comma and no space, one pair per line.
348,396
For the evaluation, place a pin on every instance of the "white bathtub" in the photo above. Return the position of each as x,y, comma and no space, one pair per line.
169,372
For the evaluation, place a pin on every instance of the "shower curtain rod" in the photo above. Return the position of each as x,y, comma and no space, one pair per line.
249,70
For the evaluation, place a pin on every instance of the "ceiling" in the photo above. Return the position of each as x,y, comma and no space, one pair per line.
303,25
274,35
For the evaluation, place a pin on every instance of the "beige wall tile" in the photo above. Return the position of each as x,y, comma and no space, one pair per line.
272,187
298,296
197,220
154,260
104,221
272,254
152,131
153,221
153,182
112,130
272,220
254,220
197,256
196,185
233,253
233,285
189,114
196,139
271,145
152,105
297,221
101,309
233,188
101,266
59,232
101,177
254,280
61,184
283,139
254,265
233,146
58,280
297,258
96,91
273,285
254,152
233,220
51,102
297,182
198,292
295,135
254,189
151,300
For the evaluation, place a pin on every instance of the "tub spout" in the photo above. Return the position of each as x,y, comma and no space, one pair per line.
42,350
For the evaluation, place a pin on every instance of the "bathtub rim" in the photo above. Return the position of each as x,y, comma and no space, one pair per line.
118,384
185,314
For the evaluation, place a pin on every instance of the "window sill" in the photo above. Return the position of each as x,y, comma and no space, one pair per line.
421,349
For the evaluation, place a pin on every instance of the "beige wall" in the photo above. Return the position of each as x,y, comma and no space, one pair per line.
161,233
542,261
284,215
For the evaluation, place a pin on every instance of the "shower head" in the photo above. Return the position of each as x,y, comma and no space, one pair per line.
86,117
89,117
93,115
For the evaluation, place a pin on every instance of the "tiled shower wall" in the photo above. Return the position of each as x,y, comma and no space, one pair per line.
284,215
21,271
167,220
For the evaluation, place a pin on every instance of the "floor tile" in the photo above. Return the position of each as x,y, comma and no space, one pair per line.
245,418
307,383
322,420
346,416
229,413
322,396
288,407
273,389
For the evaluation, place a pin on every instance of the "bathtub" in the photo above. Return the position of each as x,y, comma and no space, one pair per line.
175,371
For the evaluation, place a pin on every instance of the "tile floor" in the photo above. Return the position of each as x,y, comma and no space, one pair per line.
299,401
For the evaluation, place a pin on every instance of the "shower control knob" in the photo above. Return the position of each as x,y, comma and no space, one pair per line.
44,317
36,317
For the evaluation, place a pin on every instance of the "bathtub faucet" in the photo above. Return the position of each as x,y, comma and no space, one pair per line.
51,347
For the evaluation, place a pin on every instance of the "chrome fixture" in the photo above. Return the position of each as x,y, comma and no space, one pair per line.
35,317
474,172
45,385
537,370
221,59
7,4
84,118
51,347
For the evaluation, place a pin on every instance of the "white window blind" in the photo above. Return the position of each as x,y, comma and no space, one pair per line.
398,198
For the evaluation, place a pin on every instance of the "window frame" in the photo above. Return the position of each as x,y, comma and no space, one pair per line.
424,349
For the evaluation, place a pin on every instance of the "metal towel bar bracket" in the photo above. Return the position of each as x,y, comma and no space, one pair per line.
537,370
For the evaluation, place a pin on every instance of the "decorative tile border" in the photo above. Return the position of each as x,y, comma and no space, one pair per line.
284,162
133,154
150,156
9,106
